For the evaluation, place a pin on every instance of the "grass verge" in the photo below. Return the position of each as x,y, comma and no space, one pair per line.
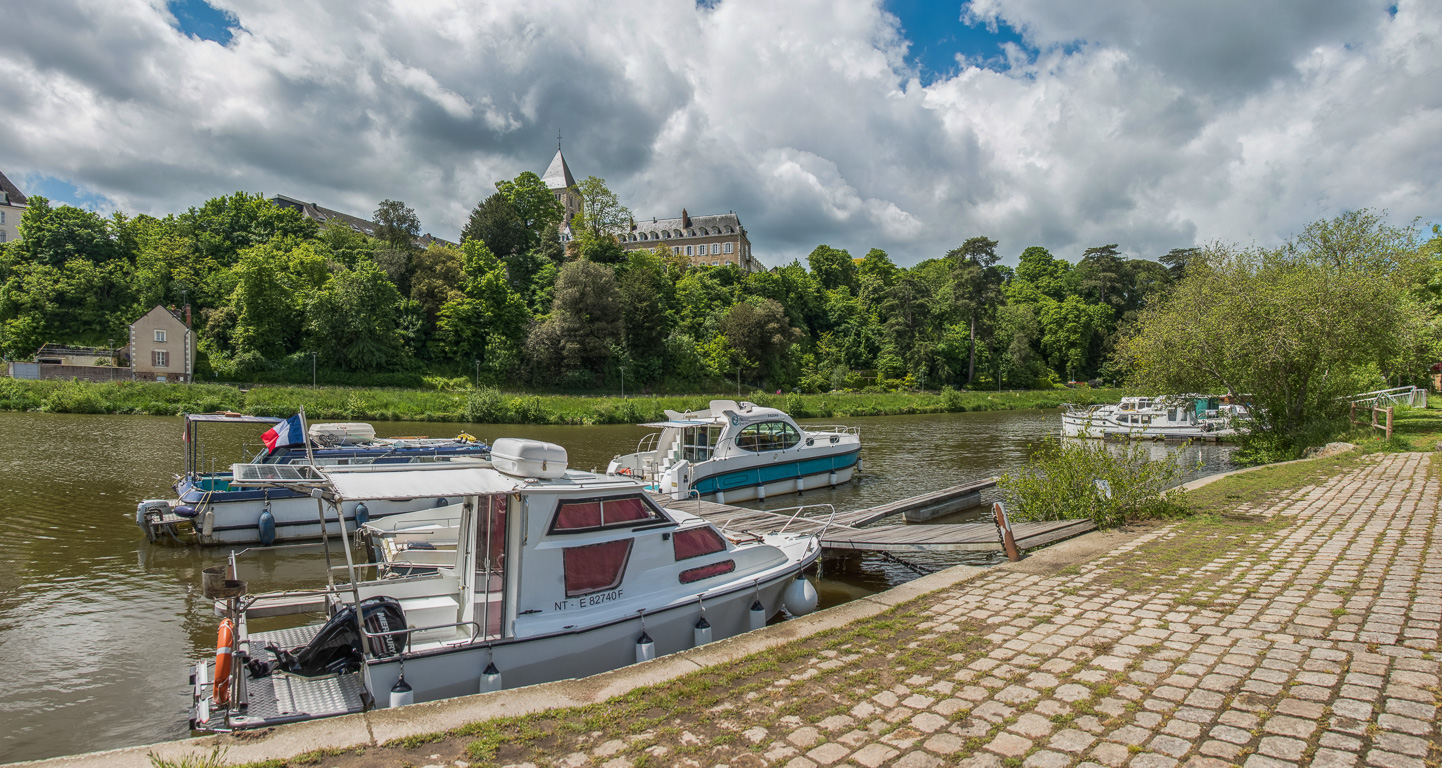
488,406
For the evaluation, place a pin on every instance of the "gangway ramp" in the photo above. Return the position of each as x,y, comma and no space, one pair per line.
845,531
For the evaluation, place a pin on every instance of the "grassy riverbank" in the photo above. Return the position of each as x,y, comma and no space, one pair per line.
488,406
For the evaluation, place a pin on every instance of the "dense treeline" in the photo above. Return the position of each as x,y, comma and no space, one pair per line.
513,306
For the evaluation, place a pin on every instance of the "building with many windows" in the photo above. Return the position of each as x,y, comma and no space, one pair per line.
316,213
12,206
708,241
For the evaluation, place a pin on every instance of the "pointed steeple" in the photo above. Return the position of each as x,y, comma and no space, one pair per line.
558,174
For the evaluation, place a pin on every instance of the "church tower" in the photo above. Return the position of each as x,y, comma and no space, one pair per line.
562,184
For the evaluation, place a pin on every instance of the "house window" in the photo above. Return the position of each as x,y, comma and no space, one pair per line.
715,263
159,358
728,247
697,542
688,251
715,248
2,234
2,217
160,336
594,514
597,567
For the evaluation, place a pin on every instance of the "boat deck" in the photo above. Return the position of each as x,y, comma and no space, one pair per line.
283,698
847,532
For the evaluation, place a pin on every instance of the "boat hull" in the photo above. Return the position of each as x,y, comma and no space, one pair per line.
233,517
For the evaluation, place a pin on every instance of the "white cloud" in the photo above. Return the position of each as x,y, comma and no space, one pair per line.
1143,124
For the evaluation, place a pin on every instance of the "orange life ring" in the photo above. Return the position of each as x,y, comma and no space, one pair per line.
624,471
224,642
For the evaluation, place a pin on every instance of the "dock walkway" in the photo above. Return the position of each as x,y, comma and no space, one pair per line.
847,530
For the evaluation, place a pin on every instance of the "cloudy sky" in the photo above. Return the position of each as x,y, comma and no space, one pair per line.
901,124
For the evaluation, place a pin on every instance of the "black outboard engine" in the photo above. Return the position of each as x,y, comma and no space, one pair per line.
337,646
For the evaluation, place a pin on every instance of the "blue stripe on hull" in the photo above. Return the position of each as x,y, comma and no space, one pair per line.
770,473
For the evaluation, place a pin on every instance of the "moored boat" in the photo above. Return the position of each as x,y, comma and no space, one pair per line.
734,452
216,507
553,574
1179,417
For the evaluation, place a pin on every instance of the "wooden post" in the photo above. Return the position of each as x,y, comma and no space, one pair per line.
1389,422
1008,542
1352,419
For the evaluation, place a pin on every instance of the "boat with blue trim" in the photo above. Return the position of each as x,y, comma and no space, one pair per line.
216,508
734,452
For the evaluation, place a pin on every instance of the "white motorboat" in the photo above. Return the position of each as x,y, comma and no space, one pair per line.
549,574
1181,418
211,508
734,452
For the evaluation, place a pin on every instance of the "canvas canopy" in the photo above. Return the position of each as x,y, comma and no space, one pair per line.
366,482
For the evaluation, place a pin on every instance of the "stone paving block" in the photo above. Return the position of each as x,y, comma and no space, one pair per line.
944,743
873,755
1282,747
1031,726
1009,745
1285,725
1045,758
918,759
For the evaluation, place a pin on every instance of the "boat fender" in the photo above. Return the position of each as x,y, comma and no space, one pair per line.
402,693
800,485
720,497
208,522
185,510
490,679
267,527
224,646
800,598
761,492
441,502
362,514
645,648
703,632
832,478
757,614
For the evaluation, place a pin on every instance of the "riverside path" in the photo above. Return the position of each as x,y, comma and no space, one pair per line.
1299,632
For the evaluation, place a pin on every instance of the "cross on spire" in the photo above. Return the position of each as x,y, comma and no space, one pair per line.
558,141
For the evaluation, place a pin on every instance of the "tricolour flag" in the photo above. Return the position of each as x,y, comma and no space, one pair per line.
288,432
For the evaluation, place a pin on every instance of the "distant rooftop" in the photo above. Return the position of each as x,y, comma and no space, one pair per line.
558,174
10,193
366,227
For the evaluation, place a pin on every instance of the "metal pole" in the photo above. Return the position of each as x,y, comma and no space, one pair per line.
478,373
312,370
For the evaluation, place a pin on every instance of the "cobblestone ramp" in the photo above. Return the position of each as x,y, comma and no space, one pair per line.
1302,633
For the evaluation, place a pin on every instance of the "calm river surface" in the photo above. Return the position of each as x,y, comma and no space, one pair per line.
97,626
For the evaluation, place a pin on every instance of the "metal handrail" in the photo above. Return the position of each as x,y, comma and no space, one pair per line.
476,631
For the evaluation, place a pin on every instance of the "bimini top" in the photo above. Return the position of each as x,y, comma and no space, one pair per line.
232,418
364,482
716,414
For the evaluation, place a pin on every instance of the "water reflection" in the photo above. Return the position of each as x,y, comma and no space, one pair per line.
95,624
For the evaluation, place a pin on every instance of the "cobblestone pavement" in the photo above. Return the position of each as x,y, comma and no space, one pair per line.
1302,633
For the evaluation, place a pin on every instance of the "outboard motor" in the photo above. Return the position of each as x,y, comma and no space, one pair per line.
337,646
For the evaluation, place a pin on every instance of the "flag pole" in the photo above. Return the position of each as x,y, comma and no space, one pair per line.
305,435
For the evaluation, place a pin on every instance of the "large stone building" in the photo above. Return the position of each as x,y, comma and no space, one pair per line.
709,241
12,206
315,212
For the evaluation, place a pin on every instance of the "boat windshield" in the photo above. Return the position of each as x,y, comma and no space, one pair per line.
697,443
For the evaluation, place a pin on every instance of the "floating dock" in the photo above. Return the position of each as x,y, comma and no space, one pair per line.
846,532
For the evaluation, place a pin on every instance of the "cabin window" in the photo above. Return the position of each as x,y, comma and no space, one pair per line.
696,443
1146,420
596,567
696,542
707,571
768,436
594,514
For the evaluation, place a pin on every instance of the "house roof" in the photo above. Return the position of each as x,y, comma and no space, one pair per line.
717,222
558,174
11,192
364,226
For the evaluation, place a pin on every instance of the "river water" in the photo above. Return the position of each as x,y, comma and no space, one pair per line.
97,626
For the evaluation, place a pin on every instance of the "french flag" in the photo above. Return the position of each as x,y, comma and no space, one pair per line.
288,432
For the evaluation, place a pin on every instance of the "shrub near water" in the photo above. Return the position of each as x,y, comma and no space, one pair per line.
1060,484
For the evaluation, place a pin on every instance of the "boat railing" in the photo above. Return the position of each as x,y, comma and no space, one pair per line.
838,429
1412,396
410,632
648,443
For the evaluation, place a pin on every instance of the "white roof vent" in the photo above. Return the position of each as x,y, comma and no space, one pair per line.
519,457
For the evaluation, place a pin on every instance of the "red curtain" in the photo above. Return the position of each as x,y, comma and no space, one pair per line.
578,515
707,571
596,567
696,542
627,510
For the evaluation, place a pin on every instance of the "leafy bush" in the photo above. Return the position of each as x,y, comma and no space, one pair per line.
74,397
486,406
1060,484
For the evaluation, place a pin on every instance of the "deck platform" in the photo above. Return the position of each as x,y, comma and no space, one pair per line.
846,531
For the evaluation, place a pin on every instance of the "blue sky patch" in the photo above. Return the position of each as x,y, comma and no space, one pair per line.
198,19
61,192
938,34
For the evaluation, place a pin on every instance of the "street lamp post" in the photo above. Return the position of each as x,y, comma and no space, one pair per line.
312,370
478,373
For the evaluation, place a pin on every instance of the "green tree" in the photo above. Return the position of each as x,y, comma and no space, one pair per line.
1102,274
584,327
602,215
1293,330
224,226
645,294
832,267
496,223
761,333
489,320
537,207
978,291
354,322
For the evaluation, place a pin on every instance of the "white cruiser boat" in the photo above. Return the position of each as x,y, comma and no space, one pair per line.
1181,418
211,508
552,574
734,452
